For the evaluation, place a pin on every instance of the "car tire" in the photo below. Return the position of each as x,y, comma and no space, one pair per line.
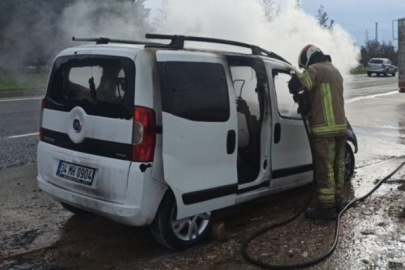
349,163
165,224
386,73
369,74
74,210
393,74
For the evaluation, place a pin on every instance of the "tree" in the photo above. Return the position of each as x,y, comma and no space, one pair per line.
28,30
269,9
323,18
32,32
162,16
376,49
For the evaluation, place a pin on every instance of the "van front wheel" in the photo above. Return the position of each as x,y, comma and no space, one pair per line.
183,233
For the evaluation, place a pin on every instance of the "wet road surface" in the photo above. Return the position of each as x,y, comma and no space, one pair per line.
36,233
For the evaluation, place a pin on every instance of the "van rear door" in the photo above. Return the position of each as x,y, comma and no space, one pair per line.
87,125
199,130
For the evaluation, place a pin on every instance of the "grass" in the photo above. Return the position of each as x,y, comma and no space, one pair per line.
360,69
23,81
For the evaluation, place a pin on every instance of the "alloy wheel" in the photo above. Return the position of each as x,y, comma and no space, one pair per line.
190,228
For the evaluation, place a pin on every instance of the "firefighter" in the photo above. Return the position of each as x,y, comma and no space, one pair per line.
323,84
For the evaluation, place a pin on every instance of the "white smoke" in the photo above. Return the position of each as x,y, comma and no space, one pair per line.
125,20
244,20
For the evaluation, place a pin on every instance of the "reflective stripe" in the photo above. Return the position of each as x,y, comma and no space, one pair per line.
308,80
327,195
331,161
328,104
323,106
328,129
325,199
327,191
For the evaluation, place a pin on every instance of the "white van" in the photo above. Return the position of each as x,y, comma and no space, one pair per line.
154,134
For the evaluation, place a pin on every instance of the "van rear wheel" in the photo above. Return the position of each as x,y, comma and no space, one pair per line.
179,234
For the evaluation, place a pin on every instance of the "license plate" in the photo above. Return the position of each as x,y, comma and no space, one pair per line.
76,173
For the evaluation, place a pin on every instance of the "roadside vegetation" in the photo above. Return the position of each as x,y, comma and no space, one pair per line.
360,69
23,81
375,49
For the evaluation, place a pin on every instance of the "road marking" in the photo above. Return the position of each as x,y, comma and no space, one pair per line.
371,96
371,87
20,99
23,135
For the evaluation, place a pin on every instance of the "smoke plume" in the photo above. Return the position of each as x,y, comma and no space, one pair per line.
289,30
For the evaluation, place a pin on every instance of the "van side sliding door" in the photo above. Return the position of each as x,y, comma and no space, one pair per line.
199,130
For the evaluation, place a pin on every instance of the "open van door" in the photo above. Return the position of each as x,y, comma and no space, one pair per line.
199,130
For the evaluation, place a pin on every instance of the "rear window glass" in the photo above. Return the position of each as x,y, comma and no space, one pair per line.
376,61
102,86
195,91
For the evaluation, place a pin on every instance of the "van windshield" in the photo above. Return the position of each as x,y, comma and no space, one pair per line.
102,86
376,61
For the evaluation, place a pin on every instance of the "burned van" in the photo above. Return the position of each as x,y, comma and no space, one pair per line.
159,135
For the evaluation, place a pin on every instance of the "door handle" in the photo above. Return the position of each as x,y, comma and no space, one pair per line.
231,142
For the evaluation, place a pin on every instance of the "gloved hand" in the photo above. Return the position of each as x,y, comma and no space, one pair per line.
294,84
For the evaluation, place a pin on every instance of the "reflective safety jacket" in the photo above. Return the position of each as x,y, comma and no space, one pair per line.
325,88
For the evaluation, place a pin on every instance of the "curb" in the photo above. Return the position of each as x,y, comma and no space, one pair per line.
22,93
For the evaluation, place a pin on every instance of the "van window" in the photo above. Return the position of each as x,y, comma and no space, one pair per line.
245,86
195,91
102,86
286,105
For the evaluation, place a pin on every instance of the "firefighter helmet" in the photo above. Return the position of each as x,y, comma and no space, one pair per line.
306,54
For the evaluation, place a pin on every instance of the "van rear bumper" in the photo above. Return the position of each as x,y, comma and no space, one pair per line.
125,214
140,194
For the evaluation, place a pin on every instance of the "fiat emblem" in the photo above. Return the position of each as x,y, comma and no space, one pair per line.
77,125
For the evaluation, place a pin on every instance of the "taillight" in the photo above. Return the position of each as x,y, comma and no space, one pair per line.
144,135
41,131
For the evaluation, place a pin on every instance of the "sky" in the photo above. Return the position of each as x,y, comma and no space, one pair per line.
355,16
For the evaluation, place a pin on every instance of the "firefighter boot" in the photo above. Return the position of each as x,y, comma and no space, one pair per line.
320,212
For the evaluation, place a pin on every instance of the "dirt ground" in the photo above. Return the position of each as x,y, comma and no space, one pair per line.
37,233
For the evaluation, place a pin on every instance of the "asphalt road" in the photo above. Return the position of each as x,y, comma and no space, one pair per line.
19,122
20,117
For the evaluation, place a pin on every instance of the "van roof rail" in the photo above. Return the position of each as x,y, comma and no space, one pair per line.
104,40
177,42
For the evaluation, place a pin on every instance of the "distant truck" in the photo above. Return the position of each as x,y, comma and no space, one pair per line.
401,54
